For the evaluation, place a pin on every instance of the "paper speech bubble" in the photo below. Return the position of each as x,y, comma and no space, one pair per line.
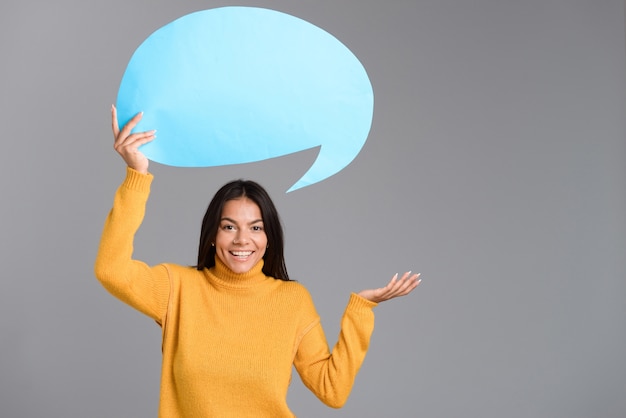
236,85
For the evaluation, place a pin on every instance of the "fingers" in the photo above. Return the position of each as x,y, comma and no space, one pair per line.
127,144
131,143
400,287
408,282
134,140
395,288
124,139
125,132
114,124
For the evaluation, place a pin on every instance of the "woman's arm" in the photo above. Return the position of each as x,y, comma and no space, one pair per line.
135,283
330,376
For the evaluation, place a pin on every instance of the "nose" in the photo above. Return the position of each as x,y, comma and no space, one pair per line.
241,238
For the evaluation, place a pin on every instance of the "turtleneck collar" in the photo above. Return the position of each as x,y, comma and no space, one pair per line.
225,277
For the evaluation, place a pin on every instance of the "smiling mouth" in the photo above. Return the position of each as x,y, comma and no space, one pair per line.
241,254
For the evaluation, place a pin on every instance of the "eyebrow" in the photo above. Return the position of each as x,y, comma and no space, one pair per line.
225,218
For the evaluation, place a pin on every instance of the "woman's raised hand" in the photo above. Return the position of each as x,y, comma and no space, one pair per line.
396,287
127,144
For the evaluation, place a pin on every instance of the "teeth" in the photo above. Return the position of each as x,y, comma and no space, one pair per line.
241,253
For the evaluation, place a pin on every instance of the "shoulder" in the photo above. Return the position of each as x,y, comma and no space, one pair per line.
296,295
293,288
179,272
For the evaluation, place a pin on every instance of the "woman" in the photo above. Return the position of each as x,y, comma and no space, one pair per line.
233,325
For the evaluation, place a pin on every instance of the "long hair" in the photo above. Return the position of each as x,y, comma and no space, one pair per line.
274,260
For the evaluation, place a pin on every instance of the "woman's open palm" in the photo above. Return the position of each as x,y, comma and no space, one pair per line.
396,287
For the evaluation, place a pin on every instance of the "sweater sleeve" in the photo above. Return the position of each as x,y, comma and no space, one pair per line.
143,287
330,376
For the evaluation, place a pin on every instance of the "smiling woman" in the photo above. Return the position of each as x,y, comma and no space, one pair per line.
234,326
260,217
241,241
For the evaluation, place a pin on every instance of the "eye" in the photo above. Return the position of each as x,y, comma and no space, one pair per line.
228,227
257,228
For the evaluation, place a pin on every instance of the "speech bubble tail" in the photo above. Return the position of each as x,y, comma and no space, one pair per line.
332,158
299,184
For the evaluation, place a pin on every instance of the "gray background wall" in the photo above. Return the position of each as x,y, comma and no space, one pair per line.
495,166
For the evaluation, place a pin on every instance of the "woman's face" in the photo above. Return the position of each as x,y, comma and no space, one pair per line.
240,242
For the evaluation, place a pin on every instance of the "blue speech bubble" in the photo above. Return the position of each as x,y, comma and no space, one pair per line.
237,85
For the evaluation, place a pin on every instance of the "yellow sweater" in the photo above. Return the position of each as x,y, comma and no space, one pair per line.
229,340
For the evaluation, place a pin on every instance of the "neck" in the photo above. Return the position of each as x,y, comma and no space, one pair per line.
228,278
